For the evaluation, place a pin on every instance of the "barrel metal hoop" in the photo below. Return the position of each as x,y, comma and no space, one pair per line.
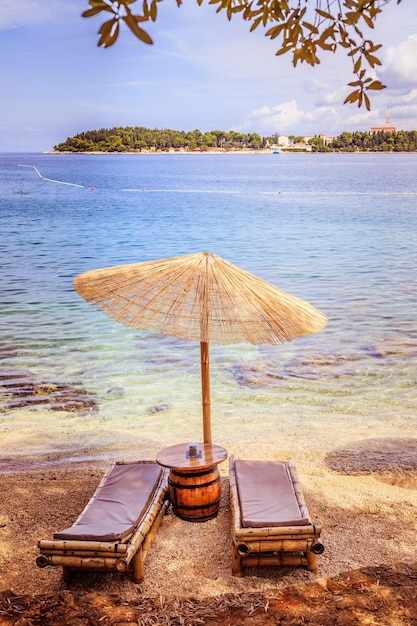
198,486
198,518
193,474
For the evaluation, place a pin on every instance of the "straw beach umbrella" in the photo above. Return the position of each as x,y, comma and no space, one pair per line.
199,297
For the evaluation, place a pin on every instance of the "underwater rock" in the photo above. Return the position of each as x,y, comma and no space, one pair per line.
8,351
398,345
157,408
256,374
21,388
311,367
16,377
116,391
317,366
374,455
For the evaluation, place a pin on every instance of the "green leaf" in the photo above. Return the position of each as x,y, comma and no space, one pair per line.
283,50
100,4
106,28
373,48
328,47
256,23
90,12
329,32
153,11
357,65
376,85
311,27
352,17
369,21
327,16
109,32
136,30
96,7
352,97
372,60
275,31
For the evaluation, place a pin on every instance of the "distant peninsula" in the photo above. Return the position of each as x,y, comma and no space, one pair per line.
138,139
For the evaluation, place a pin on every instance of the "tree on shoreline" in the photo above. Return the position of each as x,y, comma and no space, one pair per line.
139,139
307,29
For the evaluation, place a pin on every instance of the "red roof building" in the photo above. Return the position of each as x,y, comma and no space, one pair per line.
383,129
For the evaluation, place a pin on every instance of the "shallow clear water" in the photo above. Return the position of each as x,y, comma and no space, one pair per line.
336,230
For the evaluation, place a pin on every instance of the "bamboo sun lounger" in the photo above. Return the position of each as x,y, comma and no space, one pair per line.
270,521
116,528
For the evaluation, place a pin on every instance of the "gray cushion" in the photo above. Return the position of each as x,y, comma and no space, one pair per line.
117,505
266,495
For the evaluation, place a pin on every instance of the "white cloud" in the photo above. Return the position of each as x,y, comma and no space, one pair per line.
400,62
404,115
17,128
128,84
288,117
30,12
410,97
291,118
331,96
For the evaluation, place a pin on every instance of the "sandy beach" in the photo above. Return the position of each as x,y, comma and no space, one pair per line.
367,519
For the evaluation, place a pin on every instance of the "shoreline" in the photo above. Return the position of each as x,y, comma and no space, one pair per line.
262,151
170,152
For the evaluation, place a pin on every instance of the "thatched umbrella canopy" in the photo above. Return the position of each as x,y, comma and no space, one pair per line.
199,297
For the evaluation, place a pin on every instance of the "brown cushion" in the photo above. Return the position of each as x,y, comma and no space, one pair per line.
117,505
266,495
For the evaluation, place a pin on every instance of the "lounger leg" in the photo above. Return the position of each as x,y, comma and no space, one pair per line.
312,562
237,568
67,574
138,569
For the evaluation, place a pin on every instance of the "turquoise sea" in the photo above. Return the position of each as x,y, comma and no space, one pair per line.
337,230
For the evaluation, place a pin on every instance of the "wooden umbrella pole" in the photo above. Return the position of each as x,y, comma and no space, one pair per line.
205,387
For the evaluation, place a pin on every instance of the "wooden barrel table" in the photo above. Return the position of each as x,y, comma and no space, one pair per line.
195,496
194,479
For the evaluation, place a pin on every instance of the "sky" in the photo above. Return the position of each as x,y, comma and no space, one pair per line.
202,72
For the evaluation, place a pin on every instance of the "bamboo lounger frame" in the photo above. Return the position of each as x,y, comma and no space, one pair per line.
274,545
125,554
